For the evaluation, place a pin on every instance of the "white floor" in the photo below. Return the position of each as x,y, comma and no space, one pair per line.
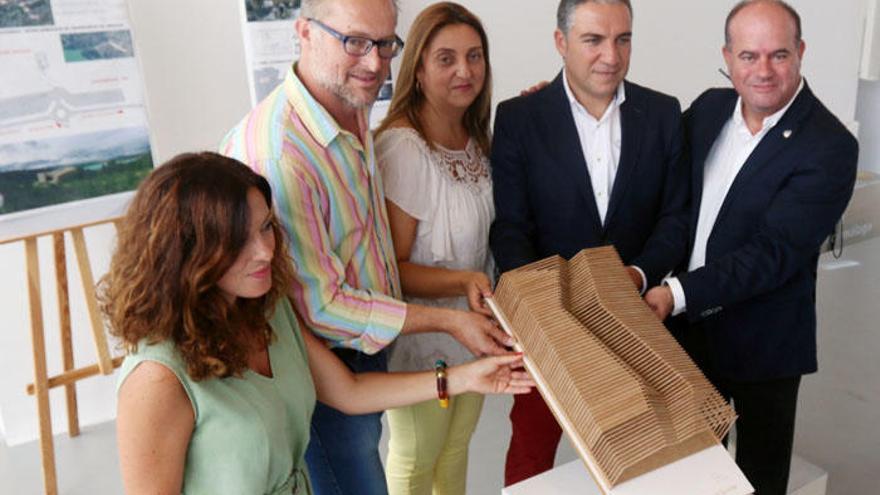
838,412
87,465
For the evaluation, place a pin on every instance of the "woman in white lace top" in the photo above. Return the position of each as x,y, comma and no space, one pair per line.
432,151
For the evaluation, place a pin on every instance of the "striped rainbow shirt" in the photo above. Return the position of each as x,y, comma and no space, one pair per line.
328,196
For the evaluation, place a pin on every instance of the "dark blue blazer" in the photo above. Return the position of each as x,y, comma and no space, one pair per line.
754,300
544,202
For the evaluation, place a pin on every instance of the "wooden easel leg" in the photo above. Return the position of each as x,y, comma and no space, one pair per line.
41,380
66,337
105,363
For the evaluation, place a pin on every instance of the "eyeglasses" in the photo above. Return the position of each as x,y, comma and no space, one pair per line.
358,46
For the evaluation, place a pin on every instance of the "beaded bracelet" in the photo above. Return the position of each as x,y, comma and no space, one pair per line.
442,392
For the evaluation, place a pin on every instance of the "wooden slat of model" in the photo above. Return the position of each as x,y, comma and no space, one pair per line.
633,398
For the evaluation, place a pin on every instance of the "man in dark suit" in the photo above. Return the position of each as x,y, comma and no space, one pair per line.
772,172
587,161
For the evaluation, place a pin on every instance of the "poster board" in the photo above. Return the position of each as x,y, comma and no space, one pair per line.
74,137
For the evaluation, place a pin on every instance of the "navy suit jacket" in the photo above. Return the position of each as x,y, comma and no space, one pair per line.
754,300
544,200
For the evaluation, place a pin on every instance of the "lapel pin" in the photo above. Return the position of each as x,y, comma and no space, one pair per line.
786,134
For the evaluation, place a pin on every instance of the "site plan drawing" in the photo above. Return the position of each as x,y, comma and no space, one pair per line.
72,120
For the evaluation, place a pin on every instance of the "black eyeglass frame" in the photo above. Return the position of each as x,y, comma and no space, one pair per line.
395,44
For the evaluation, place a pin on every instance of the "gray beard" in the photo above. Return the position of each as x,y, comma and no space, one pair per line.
348,97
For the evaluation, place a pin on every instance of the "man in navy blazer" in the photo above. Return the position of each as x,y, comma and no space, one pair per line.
772,171
587,161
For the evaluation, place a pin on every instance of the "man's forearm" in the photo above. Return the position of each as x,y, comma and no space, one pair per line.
353,318
476,332
421,319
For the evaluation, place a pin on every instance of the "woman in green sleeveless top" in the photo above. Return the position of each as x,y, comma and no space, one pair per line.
217,391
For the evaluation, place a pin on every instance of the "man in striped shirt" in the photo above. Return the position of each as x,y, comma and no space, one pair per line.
310,138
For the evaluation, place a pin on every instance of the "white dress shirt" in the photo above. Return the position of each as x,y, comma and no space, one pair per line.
600,144
726,158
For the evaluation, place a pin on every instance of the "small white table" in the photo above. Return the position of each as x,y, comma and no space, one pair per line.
709,472
572,478
566,479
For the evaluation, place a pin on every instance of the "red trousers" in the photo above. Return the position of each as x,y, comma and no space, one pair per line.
534,438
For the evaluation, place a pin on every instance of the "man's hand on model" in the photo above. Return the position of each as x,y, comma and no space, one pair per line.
635,276
660,300
479,333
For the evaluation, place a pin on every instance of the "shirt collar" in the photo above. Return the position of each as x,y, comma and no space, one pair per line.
316,119
769,121
619,96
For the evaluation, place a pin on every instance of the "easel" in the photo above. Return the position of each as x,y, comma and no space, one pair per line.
68,378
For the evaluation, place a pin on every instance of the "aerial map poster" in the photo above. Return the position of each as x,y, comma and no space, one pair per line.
72,120
272,45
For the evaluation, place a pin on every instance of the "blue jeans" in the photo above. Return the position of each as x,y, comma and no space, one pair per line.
343,452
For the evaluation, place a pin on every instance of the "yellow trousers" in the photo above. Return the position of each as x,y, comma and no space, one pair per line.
428,446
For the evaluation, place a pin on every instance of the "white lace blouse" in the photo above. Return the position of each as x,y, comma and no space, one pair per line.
449,192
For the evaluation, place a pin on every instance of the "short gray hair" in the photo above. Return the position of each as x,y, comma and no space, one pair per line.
795,17
566,10
314,9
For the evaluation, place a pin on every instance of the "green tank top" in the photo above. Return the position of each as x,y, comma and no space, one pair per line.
250,433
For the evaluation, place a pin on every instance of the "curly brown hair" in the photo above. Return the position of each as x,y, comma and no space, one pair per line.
184,229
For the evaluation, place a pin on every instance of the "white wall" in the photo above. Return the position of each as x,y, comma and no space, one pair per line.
682,57
868,116
520,40
193,63
676,45
192,57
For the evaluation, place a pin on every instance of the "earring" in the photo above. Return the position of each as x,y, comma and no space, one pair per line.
418,86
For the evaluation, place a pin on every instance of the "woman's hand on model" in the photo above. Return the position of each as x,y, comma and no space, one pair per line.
491,375
476,286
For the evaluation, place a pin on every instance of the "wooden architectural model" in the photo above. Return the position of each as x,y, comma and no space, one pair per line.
627,394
